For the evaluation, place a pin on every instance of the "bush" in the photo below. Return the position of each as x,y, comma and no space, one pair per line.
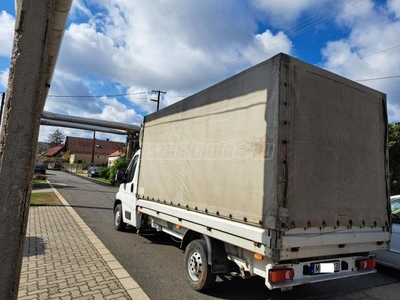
120,164
104,172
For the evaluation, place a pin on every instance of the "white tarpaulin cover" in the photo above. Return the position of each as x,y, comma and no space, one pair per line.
282,144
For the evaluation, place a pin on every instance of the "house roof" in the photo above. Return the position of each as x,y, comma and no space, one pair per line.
53,151
84,145
116,153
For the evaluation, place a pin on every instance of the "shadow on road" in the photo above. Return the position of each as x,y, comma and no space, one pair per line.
91,207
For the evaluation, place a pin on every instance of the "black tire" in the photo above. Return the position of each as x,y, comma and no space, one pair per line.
197,270
119,224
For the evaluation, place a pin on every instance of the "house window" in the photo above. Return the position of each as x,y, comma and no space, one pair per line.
98,156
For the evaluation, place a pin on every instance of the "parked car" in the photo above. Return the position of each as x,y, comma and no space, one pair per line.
93,171
40,168
391,258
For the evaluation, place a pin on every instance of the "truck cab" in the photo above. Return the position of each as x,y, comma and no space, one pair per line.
125,205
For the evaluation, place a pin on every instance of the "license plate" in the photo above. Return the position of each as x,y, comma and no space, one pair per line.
325,267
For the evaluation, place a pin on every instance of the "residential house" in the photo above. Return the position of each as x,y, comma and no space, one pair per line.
54,157
114,156
81,150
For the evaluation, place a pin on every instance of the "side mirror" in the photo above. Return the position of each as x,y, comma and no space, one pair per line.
120,177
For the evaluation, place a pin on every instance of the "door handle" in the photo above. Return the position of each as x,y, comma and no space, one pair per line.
132,187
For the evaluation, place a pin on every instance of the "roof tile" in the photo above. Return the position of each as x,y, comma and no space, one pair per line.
84,145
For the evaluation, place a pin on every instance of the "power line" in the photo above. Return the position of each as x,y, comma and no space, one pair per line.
391,48
116,95
178,96
95,96
379,78
369,55
313,21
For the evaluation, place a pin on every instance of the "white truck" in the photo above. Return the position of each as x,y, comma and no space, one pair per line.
280,171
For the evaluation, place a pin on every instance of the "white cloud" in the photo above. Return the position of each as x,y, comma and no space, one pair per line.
6,33
141,97
78,9
4,78
266,45
369,51
394,6
357,12
99,108
117,112
153,45
284,13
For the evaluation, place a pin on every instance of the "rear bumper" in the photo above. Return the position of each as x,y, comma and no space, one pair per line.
301,278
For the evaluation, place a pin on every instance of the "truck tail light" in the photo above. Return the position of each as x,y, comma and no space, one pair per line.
279,275
366,264
258,256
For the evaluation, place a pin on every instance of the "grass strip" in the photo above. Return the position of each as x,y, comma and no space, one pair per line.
43,199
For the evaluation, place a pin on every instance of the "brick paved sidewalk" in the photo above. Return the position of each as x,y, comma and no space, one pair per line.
63,259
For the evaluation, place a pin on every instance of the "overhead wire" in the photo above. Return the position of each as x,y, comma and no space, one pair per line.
379,78
313,21
96,96
369,55
307,24
109,95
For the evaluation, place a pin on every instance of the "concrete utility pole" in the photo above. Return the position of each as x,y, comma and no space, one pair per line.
28,83
93,148
158,98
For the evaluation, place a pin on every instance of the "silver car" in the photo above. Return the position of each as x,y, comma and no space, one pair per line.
391,258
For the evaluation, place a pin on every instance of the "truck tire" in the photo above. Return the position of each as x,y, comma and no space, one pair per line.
197,270
119,224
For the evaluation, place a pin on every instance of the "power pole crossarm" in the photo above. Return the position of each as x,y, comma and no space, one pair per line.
158,98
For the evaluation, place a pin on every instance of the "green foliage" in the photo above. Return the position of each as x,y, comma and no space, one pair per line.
120,164
394,157
39,182
56,138
104,172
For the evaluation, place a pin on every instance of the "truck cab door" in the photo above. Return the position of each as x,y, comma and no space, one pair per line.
128,191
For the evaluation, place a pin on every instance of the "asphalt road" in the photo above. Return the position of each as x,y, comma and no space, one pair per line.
156,262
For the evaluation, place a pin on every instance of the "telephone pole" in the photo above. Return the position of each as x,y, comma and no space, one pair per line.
158,98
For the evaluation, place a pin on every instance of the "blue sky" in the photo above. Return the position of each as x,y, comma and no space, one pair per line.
118,51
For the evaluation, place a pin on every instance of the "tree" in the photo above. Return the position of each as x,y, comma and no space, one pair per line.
394,157
56,138
119,164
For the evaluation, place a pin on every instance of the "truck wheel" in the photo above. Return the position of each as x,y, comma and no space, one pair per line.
119,224
197,270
